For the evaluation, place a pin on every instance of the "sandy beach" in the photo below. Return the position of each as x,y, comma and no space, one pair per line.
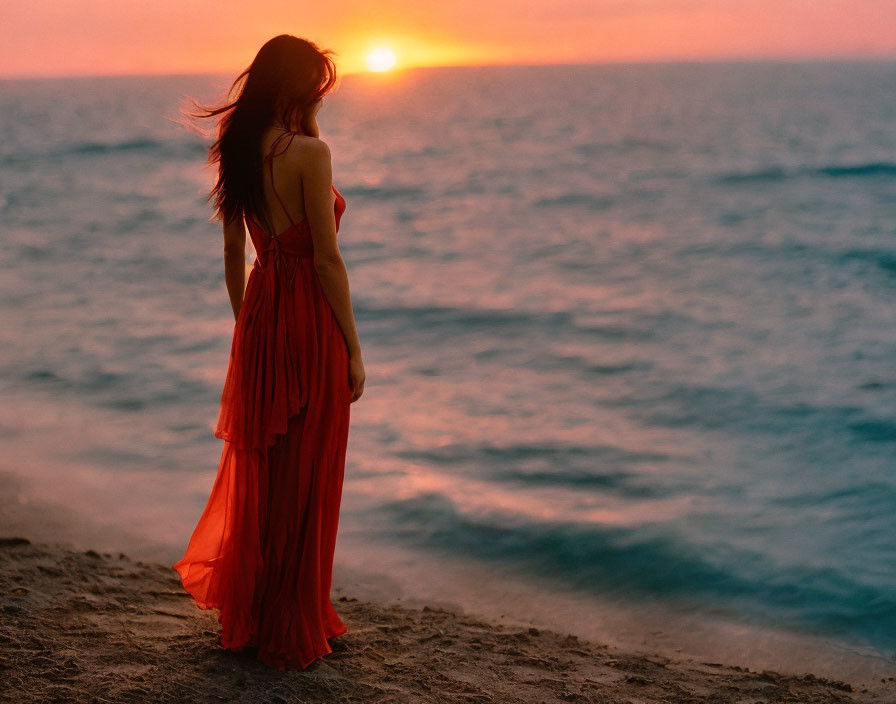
86,626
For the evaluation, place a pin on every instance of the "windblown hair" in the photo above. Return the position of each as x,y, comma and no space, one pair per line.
287,76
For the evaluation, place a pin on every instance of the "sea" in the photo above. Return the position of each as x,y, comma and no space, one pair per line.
629,333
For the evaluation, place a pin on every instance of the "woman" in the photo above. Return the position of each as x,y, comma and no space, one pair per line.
262,552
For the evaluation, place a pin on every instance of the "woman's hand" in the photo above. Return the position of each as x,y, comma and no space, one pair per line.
356,376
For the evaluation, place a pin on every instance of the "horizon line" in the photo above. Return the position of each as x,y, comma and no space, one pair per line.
836,58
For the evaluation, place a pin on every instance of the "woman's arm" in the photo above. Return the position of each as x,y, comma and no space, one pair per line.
235,262
317,180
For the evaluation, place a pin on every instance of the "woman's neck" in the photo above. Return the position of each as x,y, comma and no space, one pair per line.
313,129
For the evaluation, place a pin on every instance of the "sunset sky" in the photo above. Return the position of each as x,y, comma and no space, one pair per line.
66,37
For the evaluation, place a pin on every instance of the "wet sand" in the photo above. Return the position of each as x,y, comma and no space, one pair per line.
86,626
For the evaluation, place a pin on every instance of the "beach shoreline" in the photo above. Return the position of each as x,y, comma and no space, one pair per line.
81,625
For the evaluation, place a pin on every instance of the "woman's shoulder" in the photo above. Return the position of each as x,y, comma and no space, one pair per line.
314,146
303,155
303,146
310,154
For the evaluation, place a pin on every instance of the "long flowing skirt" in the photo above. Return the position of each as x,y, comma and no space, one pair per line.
262,551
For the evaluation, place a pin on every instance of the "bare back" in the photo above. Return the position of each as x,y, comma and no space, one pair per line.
283,155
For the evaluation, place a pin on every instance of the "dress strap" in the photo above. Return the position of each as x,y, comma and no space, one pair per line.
271,164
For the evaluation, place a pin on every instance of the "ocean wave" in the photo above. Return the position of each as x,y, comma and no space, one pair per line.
883,258
128,145
781,173
470,321
626,145
549,464
463,319
164,148
720,407
554,361
621,368
874,429
621,483
384,192
589,200
625,562
555,453
106,389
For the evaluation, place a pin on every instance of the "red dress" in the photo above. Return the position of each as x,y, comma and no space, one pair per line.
262,552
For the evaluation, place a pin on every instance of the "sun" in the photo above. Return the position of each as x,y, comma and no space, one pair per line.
380,59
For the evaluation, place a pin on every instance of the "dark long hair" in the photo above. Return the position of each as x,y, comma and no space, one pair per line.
287,76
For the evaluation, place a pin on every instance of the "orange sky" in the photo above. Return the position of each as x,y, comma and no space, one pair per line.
63,37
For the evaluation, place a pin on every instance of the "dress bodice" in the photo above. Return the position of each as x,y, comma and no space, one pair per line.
294,241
